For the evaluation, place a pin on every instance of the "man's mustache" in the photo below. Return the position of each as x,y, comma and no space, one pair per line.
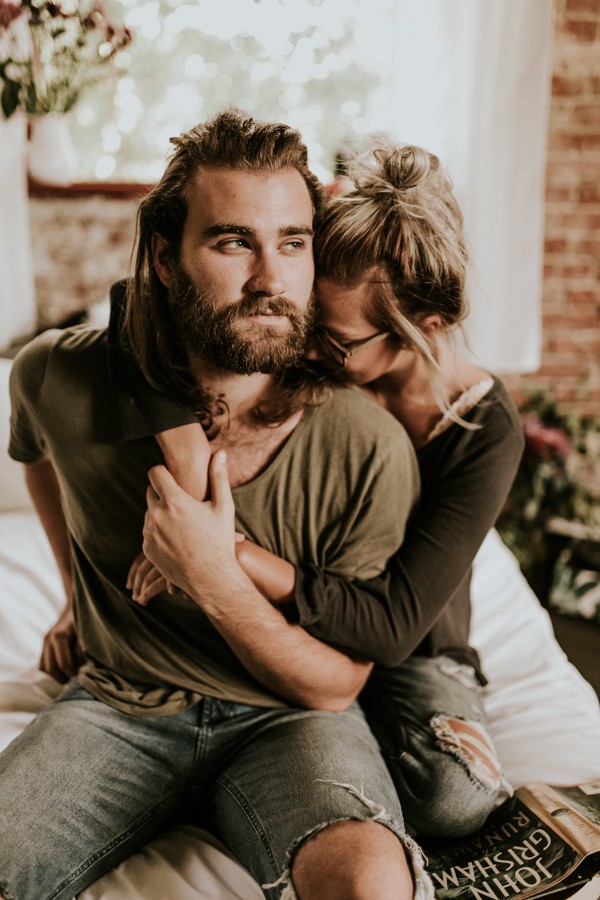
261,306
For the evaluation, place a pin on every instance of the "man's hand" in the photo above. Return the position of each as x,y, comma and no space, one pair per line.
189,541
61,654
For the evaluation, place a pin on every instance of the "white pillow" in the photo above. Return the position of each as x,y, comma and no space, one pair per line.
13,491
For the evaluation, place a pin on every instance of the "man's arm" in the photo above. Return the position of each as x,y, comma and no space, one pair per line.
193,545
61,654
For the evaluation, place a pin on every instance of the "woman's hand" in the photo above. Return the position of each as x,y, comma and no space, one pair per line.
145,581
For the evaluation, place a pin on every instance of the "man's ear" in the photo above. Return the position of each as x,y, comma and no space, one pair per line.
161,258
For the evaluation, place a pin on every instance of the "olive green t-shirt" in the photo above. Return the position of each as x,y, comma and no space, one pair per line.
337,495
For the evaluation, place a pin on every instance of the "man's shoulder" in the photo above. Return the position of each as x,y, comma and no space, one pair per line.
74,339
63,342
353,408
350,421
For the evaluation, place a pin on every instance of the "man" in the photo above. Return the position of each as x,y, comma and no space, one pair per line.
207,704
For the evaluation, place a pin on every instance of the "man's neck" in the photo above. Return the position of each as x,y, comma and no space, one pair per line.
243,394
250,444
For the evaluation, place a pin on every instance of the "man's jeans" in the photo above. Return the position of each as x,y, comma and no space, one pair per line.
84,786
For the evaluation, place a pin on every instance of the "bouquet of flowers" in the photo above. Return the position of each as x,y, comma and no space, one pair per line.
50,52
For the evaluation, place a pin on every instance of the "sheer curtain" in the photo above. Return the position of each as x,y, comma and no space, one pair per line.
17,298
471,83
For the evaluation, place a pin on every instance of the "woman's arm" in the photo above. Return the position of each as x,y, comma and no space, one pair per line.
466,476
274,577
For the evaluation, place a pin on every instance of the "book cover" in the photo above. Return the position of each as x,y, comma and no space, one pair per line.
543,839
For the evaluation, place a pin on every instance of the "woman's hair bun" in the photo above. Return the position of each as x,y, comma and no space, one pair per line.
387,169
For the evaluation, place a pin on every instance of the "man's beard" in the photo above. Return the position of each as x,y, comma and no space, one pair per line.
214,334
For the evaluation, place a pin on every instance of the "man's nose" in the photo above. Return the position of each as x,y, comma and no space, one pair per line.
267,275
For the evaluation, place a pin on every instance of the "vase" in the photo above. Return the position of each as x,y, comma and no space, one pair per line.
52,153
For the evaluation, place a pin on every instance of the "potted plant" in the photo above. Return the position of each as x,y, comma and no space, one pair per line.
50,53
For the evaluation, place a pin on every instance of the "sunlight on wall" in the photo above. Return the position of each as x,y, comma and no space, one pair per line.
319,65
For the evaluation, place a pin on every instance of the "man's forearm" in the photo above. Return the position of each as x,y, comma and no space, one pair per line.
281,656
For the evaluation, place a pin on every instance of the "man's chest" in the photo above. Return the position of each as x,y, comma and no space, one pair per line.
251,448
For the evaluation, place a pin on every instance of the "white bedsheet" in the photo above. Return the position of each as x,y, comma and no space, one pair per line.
545,719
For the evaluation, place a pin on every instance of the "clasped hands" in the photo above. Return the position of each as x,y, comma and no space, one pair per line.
186,542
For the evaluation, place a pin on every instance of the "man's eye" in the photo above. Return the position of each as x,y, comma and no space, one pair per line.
232,244
295,245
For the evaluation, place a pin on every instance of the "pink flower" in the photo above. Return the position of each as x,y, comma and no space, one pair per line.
8,13
544,441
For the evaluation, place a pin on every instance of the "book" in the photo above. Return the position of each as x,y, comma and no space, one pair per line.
542,841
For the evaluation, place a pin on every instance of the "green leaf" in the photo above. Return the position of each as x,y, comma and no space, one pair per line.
10,97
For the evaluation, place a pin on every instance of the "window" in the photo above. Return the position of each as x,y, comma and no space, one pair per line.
319,65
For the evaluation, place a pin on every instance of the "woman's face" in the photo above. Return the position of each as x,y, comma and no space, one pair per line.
344,328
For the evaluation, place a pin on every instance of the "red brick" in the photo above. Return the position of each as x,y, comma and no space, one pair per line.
554,370
583,6
580,344
590,247
582,30
587,113
571,318
583,270
567,140
555,246
565,86
589,221
584,297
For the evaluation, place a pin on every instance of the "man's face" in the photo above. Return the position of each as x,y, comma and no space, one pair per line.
241,291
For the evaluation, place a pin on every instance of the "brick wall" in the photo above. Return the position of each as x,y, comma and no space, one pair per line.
571,295
82,244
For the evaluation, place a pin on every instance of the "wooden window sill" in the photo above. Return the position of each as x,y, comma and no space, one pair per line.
114,189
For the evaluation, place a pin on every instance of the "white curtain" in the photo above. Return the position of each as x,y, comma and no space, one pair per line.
472,83
17,297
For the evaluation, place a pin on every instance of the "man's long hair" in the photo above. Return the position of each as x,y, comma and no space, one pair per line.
232,140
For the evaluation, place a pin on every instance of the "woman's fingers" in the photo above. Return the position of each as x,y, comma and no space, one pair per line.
144,580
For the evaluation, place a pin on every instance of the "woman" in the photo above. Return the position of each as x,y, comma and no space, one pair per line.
392,264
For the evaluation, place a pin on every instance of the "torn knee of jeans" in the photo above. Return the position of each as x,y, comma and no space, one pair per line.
375,812
470,744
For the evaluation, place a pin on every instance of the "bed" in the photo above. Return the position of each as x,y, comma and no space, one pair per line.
545,719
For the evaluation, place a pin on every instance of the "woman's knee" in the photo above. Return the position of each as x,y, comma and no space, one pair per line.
448,777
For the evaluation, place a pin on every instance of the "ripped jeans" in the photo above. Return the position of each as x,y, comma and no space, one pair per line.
85,785
428,717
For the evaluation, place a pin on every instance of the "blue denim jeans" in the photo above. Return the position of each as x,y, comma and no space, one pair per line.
85,785
428,717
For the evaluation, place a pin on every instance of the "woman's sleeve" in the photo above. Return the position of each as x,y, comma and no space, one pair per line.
386,618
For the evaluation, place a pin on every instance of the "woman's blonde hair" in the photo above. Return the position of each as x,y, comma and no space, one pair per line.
398,226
